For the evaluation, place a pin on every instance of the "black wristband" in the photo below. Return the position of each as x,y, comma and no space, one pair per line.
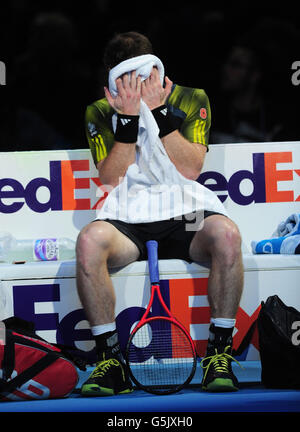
127,128
163,118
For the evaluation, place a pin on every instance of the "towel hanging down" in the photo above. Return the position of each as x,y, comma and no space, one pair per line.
152,188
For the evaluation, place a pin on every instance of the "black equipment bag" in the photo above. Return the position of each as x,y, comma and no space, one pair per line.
279,344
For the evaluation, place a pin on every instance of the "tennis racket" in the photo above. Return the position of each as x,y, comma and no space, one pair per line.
160,353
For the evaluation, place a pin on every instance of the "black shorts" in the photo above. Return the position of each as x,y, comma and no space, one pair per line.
172,235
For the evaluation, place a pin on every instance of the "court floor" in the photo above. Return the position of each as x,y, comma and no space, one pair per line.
252,397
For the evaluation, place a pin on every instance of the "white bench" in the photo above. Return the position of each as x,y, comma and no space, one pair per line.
45,292
54,194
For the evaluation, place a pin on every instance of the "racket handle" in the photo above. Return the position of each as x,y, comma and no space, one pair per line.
152,247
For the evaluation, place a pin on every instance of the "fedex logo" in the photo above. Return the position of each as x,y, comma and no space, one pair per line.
61,185
266,178
187,298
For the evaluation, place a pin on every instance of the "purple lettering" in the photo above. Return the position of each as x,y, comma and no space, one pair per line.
16,192
30,192
24,298
219,185
257,177
54,187
67,334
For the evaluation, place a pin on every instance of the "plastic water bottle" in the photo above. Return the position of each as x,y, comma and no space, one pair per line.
45,249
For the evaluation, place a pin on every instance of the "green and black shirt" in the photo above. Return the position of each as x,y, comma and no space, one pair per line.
189,106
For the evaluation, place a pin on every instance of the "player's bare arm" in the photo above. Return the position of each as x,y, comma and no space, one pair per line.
113,168
187,157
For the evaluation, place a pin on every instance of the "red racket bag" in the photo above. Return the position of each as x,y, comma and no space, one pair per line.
31,368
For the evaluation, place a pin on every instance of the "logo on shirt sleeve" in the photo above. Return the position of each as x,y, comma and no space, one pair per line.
203,113
92,129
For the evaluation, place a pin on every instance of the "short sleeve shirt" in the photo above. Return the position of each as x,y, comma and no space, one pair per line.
191,114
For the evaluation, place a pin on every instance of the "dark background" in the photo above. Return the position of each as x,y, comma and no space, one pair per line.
241,55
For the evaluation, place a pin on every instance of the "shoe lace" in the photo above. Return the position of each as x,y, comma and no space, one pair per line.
103,366
220,361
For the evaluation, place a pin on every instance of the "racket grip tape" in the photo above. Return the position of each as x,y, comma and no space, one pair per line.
152,247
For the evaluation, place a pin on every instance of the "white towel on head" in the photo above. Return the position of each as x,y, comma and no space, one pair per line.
148,129
152,189
142,65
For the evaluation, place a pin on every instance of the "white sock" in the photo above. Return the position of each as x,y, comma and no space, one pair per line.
103,328
223,322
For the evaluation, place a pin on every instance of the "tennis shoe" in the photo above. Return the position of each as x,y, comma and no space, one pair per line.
108,378
217,372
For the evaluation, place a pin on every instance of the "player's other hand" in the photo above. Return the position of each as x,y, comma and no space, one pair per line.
153,93
128,98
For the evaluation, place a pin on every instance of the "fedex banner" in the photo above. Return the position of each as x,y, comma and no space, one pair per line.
56,193
51,302
54,308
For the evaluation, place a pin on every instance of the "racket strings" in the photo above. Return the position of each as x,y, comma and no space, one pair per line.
161,355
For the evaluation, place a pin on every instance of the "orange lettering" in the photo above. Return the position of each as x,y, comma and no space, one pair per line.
180,290
69,184
273,176
298,173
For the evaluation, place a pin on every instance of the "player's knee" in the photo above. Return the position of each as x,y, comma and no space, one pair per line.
227,241
94,240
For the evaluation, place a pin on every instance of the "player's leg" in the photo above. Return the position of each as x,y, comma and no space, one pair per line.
219,241
101,246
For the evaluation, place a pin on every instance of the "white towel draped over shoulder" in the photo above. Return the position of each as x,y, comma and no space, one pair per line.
152,189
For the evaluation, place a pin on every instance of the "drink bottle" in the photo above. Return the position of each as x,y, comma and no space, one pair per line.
45,249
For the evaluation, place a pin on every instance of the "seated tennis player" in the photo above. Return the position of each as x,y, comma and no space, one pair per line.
149,138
